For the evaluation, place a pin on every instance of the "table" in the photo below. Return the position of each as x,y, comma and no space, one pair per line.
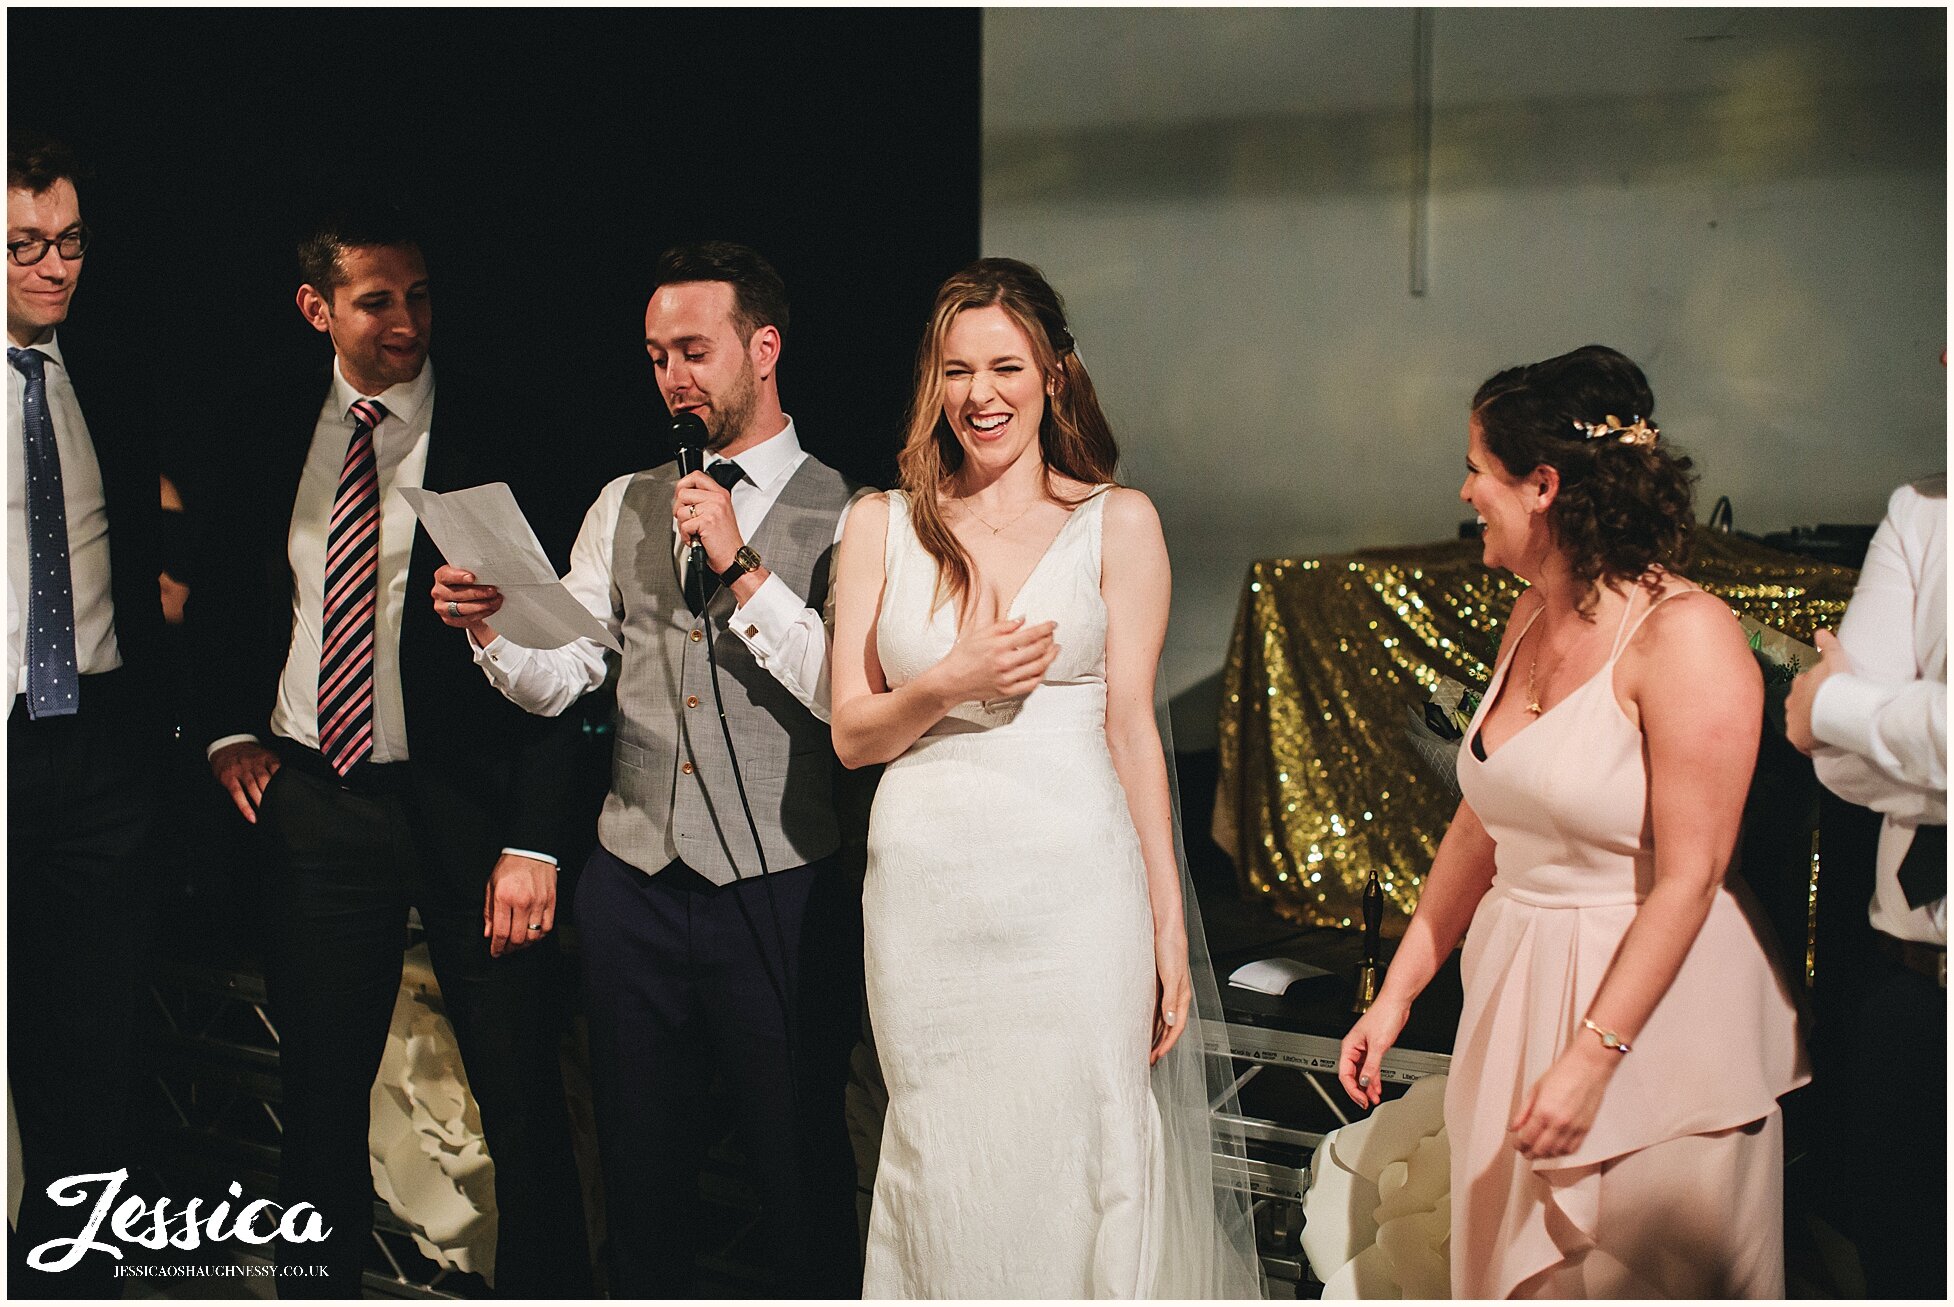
1319,784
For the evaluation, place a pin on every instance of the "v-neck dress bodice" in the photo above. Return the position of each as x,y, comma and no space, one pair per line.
1689,1118
1576,835
917,628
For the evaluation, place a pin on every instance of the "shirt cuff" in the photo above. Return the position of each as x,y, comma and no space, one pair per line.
226,742
765,620
1845,711
499,658
531,853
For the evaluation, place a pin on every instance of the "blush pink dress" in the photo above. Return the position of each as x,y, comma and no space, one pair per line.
1678,1190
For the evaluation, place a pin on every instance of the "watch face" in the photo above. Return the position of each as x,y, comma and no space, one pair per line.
744,561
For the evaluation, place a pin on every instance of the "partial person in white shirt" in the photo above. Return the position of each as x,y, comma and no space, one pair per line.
85,728
1873,716
719,922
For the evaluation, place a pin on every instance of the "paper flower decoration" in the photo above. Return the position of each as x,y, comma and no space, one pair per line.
430,1162
1377,1220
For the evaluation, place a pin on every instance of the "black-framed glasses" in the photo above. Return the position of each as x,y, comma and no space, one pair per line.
72,244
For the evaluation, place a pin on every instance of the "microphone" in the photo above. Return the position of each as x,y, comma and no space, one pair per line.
689,434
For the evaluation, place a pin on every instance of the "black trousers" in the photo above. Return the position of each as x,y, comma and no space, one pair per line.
1898,1134
690,992
347,864
80,798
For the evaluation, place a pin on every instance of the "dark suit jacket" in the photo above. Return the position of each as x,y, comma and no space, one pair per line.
120,409
476,757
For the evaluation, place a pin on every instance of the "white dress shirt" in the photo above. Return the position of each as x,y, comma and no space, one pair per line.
788,639
1882,728
88,524
400,445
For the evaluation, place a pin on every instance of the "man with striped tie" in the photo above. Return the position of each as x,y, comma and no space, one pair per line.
83,619
349,727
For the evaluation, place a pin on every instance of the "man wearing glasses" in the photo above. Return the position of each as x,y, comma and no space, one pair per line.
83,615
351,728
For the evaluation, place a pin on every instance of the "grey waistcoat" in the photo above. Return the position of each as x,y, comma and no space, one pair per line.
671,783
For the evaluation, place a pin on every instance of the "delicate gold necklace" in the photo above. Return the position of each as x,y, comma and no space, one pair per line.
1533,666
995,530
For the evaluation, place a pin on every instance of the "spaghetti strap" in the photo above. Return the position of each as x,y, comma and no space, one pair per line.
1627,631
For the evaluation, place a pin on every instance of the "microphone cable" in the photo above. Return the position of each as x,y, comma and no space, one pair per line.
688,428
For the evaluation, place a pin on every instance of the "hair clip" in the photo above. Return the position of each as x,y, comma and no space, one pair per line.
1636,431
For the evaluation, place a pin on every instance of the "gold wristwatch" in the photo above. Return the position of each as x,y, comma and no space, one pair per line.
743,562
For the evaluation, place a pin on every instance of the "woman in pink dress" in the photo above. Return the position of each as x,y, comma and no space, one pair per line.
1612,1105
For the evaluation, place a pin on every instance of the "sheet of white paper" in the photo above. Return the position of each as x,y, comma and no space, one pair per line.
482,531
1273,975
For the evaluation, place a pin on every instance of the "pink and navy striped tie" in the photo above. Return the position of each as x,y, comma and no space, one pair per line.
352,590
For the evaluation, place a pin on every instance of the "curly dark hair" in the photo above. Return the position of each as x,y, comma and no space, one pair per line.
1622,508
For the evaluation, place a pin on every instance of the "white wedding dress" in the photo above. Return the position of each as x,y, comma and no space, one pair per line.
1011,983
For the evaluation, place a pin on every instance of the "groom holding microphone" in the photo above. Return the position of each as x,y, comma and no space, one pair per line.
720,933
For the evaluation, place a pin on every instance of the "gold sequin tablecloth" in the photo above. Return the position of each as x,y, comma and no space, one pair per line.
1319,781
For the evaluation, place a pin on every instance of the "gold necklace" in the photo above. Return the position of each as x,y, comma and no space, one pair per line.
995,530
1533,665
1533,696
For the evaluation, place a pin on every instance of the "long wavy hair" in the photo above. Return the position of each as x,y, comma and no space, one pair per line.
1074,438
1622,509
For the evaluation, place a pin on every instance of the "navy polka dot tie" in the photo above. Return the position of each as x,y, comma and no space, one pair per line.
53,683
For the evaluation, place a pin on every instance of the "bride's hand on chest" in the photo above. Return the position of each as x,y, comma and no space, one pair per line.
996,657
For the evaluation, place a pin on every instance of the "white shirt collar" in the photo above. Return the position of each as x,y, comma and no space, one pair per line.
767,462
50,347
401,401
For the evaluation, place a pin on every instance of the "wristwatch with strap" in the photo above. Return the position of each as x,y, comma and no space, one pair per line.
743,562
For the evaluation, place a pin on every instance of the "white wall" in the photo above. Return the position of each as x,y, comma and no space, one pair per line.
1750,203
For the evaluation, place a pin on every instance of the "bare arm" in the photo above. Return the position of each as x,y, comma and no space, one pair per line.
1700,698
873,723
1461,873
1701,701
1136,581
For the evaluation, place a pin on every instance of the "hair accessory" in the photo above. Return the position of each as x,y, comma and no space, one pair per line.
1635,431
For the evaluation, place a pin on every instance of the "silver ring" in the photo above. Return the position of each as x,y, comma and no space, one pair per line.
535,925
454,609
691,510
1171,1018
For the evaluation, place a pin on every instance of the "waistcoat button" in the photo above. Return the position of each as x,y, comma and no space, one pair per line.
697,636
685,767
692,701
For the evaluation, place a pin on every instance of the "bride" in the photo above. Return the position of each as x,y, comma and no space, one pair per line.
998,624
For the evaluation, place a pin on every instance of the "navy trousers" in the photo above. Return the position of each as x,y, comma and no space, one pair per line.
346,865
80,900
751,991
1898,1134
